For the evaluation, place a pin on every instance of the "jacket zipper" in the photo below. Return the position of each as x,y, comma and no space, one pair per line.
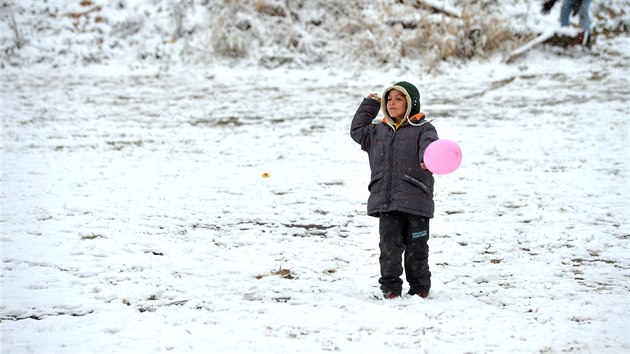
391,169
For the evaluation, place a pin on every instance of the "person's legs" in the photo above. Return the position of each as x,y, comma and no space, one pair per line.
417,255
565,12
391,230
585,19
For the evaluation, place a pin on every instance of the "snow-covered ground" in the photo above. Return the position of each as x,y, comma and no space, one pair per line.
162,205
223,209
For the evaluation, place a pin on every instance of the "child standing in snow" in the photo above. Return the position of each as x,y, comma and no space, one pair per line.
401,188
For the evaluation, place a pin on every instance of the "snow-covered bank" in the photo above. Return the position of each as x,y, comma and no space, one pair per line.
224,210
276,33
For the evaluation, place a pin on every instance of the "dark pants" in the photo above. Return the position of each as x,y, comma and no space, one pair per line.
404,233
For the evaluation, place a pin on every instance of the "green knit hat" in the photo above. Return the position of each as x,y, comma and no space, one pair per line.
411,93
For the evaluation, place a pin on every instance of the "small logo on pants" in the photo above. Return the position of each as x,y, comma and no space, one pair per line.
419,234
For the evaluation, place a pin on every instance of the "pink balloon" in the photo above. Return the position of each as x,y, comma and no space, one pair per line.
442,156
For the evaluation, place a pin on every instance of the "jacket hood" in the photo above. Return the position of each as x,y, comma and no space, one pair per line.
413,100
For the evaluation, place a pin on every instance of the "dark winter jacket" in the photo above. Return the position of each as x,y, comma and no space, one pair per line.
397,183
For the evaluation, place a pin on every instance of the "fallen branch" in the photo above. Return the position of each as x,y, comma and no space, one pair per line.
76,15
562,37
18,39
442,7
529,45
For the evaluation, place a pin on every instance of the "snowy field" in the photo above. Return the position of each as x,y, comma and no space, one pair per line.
223,209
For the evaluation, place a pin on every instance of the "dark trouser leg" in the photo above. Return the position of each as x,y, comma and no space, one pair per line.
391,230
417,254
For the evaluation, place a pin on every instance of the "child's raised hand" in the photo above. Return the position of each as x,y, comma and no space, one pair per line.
374,96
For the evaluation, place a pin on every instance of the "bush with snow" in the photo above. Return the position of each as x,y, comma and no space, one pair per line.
275,32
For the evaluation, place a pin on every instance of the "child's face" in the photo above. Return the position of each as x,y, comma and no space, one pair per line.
396,104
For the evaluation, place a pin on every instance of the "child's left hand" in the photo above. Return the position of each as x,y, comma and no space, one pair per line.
423,166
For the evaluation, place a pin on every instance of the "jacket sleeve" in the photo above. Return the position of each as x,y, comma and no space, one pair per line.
428,135
360,127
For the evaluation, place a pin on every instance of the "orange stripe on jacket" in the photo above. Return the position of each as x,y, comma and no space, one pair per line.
417,117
